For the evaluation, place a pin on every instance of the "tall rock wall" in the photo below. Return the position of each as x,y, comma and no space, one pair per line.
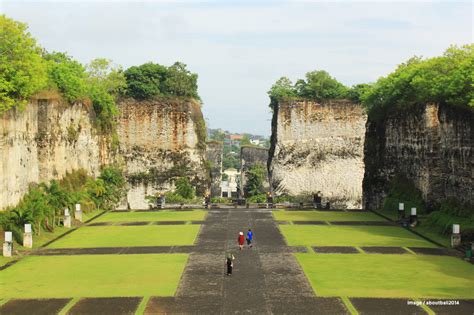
214,156
318,147
250,156
431,145
46,140
161,140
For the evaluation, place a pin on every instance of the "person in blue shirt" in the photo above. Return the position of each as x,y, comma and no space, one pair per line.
249,238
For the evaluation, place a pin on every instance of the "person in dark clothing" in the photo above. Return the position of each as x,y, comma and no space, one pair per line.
229,261
249,238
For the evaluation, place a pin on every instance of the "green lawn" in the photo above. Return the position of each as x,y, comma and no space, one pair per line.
195,215
93,276
372,275
321,235
325,216
129,236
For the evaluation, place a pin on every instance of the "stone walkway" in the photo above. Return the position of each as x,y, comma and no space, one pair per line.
266,279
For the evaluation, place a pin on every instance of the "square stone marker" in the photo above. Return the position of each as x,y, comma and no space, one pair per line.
33,306
105,306
377,306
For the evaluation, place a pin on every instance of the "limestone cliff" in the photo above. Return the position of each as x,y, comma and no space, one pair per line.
214,156
161,140
318,147
46,140
250,156
431,145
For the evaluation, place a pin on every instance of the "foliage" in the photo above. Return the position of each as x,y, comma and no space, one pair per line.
404,191
220,200
255,178
173,197
258,198
150,80
22,70
318,86
184,188
67,75
452,212
358,92
44,202
446,79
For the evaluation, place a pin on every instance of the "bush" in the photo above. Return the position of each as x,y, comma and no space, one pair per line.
184,188
255,177
259,198
404,191
172,197
220,200
44,202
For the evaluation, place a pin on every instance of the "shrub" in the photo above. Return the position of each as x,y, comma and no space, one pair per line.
184,188
255,177
259,198
403,190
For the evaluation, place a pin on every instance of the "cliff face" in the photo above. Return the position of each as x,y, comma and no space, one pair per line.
250,156
431,145
214,156
43,142
161,140
318,147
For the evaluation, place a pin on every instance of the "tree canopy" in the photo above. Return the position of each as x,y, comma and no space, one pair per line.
150,80
447,79
22,69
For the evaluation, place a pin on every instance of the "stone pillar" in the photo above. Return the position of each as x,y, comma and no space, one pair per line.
456,236
8,245
28,237
401,211
78,213
67,218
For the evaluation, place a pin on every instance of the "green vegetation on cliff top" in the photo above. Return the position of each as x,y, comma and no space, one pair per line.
26,68
447,79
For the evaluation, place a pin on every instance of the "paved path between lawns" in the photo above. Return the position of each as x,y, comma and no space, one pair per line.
264,280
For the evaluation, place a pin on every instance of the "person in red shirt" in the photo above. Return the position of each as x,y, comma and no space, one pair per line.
241,240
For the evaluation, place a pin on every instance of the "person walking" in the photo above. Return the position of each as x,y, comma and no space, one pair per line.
249,238
241,240
229,263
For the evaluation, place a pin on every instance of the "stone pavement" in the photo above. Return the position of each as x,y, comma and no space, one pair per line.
266,278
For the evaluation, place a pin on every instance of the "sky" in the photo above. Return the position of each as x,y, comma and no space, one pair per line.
240,48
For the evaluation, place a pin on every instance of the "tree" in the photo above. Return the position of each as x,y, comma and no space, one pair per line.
22,70
319,85
67,75
145,81
103,73
282,89
184,188
358,92
180,81
255,177
447,79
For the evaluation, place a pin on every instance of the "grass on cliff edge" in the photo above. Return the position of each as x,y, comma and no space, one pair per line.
129,236
93,276
325,216
332,235
195,215
390,276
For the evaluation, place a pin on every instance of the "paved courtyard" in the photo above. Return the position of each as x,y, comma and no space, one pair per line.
302,262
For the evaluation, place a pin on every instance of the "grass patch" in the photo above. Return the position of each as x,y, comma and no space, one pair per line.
6,260
297,235
393,276
325,216
196,215
129,236
93,276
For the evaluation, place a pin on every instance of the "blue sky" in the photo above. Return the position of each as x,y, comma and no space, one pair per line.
239,48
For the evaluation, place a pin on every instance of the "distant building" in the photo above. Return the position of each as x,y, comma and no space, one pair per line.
255,141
